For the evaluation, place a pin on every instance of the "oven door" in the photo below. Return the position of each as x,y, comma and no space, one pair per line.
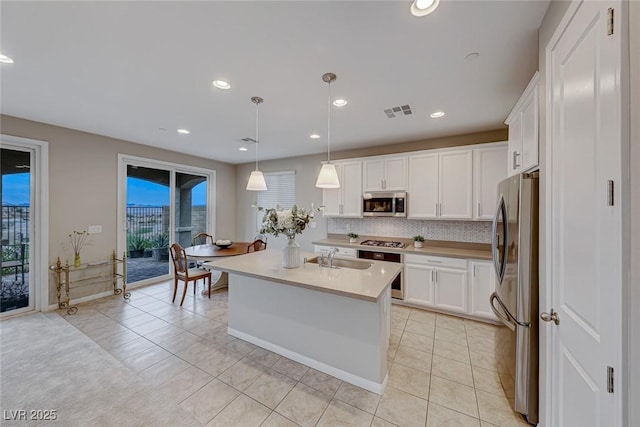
378,204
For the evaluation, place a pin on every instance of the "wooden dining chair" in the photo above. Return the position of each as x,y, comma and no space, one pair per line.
184,273
257,245
202,239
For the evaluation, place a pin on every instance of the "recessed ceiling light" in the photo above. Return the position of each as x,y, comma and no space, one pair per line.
423,7
183,131
314,136
221,84
5,59
472,56
340,102
437,114
243,148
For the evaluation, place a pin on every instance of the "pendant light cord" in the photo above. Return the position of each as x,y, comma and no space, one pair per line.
257,122
329,123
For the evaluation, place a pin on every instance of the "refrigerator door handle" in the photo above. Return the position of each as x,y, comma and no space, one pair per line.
498,263
504,315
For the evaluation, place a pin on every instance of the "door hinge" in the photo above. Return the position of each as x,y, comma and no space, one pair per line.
610,192
609,379
610,21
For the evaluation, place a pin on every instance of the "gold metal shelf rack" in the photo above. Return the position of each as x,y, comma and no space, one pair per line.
63,274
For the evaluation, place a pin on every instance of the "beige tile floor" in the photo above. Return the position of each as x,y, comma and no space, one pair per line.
442,369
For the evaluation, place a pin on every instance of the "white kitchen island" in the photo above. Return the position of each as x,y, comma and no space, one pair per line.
334,320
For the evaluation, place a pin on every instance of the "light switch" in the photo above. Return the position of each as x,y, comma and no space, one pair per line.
94,229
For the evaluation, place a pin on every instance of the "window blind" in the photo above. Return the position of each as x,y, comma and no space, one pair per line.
281,190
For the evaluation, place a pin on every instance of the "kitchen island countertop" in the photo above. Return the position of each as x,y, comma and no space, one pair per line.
368,285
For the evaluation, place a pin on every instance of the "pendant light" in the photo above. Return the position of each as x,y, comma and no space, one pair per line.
328,176
256,180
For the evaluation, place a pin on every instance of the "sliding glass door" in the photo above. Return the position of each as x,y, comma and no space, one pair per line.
16,189
161,203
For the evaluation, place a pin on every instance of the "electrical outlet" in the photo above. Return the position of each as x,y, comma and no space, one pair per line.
94,229
313,224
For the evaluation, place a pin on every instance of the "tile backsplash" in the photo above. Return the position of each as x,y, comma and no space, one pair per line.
456,231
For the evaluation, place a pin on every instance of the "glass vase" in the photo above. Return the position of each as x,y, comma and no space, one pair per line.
76,261
291,252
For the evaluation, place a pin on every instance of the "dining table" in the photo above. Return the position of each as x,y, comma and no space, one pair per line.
209,252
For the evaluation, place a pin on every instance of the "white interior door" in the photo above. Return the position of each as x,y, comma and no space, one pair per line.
584,234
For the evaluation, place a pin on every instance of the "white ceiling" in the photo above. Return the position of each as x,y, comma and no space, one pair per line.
127,69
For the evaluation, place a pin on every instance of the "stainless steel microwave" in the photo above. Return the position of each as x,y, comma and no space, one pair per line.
384,204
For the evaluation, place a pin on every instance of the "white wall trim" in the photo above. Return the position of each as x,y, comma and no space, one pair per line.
40,227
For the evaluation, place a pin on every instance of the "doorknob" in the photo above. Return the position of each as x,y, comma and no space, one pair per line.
551,317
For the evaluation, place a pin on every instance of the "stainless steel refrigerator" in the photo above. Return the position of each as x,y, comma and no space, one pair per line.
515,300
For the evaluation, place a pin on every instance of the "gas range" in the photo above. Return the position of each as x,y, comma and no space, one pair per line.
383,244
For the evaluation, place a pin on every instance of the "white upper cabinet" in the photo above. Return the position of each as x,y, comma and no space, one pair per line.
456,184
523,131
422,193
489,168
440,185
345,201
386,174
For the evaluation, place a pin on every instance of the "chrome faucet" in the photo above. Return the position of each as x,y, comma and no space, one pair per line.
330,256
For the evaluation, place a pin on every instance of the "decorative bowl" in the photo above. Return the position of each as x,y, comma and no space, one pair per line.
224,246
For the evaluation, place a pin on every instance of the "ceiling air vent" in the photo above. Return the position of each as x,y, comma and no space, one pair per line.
398,111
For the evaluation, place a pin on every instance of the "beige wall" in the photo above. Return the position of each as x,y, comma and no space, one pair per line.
83,182
307,168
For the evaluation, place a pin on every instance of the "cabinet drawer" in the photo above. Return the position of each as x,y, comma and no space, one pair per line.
436,261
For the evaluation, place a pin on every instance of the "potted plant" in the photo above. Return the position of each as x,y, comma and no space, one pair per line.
353,237
137,245
160,245
417,241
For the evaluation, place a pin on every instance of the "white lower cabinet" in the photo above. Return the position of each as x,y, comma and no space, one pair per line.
482,285
449,284
436,282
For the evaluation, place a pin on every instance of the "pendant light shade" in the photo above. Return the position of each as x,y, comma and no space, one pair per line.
328,176
256,182
256,179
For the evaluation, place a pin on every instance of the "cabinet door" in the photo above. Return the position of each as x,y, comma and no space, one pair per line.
489,168
351,187
332,197
418,283
529,131
373,175
422,193
451,289
482,285
455,184
395,178
515,146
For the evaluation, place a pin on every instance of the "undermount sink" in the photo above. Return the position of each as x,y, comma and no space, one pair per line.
343,263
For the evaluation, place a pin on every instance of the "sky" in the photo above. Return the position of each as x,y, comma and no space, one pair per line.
15,191
142,192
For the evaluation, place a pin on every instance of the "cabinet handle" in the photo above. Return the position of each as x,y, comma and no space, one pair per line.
478,209
474,271
515,157
432,278
436,275
436,209
440,210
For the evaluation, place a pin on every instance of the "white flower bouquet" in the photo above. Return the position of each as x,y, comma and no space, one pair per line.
286,221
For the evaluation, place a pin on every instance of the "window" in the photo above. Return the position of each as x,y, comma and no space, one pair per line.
281,190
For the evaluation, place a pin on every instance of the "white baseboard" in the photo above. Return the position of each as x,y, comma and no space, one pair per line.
319,366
